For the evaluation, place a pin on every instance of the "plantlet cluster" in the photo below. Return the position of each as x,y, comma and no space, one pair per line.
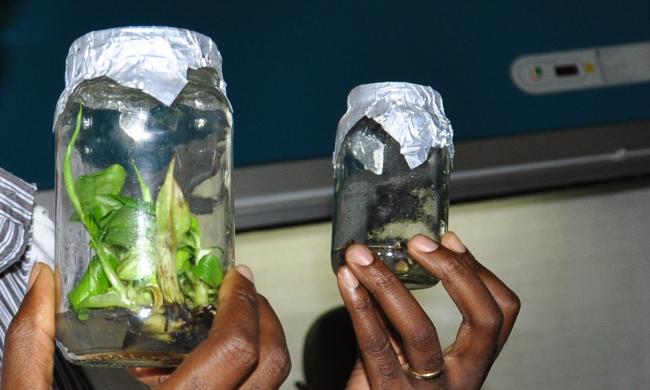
147,253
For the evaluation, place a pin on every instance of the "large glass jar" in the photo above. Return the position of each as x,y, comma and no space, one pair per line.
144,212
392,161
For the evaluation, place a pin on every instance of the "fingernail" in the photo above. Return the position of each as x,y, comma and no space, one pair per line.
349,280
423,244
359,255
455,244
33,275
245,272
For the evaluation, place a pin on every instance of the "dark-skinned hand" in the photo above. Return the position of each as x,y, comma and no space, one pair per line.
398,342
245,348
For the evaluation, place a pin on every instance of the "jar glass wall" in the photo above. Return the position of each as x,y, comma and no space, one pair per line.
384,210
392,160
144,220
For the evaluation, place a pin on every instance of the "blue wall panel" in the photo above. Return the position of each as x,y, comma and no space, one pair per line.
290,64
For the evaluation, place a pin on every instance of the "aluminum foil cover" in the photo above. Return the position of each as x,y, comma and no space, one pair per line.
152,59
411,114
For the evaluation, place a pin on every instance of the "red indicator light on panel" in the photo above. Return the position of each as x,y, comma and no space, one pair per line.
536,73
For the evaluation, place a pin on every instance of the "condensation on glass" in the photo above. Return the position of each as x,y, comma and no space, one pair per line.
392,161
144,211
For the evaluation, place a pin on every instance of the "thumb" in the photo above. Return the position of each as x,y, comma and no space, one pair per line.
29,342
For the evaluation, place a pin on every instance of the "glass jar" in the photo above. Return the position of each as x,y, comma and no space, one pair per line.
391,161
144,212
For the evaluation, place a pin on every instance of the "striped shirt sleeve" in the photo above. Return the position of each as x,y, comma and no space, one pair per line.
26,236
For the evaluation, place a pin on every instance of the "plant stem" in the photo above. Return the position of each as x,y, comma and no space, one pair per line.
146,193
167,278
68,178
113,279
201,293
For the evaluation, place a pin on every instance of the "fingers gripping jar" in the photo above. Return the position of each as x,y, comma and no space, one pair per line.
144,212
392,160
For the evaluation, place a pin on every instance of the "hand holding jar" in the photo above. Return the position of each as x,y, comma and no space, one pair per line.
248,350
398,342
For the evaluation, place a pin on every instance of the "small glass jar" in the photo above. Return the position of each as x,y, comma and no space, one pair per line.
144,212
391,161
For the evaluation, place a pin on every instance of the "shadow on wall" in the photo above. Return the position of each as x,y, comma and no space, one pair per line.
7,10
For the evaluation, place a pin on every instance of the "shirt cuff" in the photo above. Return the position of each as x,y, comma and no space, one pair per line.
16,204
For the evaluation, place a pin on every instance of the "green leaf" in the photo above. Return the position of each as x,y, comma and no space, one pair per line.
130,201
187,287
139,263
104,206
191,241
173,220
128,225
183,260
107,258
106,182
108,299
173,217
194,234
209,270
93,282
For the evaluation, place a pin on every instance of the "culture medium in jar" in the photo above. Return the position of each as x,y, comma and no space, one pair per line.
392,160
144,212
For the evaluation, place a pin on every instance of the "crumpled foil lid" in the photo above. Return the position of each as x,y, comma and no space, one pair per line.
412,114
152,59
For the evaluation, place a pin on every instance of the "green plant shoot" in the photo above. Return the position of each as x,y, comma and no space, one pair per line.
147,254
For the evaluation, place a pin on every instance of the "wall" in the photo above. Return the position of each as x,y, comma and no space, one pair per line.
290,65
578,259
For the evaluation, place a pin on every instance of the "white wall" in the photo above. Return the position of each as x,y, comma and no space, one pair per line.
579,261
